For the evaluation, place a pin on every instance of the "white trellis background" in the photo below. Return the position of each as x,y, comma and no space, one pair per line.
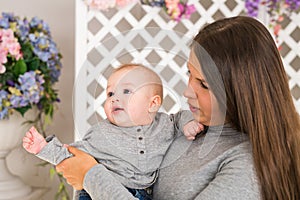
144,34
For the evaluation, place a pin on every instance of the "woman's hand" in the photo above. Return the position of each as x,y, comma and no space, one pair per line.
74,169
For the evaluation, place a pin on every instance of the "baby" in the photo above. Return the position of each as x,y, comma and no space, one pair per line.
132,141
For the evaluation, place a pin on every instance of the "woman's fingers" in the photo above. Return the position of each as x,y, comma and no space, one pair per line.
75,168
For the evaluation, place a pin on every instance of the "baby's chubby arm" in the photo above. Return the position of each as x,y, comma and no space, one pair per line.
33,141
191,129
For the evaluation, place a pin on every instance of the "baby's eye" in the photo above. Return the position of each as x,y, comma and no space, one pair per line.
126,91
110,94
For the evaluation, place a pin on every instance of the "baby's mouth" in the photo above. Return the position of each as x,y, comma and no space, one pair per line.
117,109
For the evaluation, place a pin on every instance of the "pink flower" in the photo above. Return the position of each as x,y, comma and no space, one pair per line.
8,45
171,4
189,10
2,69
176,9
3,55
101,4
280,18
7,33
123,3
15,50
175,13
277,28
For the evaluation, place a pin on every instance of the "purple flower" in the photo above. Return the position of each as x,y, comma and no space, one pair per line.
55,73
47,51
32,38
23,29
9,16
44,56
252,7
53,48
35,22
156,3
32,96
3,108
30,80
3,113
3,95
18,101
293,4
40,24
10,83
31,87
4,23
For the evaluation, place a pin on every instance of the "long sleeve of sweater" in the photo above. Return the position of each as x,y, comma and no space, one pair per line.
100,184
55,152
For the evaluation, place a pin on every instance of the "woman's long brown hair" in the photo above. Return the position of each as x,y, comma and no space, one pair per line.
258,99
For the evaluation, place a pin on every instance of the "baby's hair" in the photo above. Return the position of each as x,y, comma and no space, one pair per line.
156,79
129,66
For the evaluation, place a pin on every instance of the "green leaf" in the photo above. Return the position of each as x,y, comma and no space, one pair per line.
23,110
61,187
47,120
20,67
44,68
33,64
52,173
43,164
27,50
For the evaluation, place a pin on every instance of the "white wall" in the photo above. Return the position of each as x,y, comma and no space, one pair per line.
61,18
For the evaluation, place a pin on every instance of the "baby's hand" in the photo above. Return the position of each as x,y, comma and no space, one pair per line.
33,142
191,129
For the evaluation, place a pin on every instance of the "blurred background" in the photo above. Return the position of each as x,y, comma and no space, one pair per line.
93,41
60,16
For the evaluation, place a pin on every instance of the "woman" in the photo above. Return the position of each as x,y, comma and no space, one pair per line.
239,89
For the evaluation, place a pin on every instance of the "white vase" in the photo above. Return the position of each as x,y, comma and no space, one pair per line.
11,133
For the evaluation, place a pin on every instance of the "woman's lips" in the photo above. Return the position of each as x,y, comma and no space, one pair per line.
193,109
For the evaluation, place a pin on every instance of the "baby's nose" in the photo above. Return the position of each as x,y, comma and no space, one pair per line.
114,99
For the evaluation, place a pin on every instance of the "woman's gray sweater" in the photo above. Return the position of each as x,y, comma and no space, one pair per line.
216,165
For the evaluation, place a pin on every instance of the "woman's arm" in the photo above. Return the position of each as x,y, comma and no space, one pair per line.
83,171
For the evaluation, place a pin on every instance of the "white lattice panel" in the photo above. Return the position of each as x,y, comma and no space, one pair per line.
146,35
289,39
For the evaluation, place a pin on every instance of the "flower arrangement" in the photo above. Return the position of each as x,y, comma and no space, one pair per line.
276,9
29,66
176,9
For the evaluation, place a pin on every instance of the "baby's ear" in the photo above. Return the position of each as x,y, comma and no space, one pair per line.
155,104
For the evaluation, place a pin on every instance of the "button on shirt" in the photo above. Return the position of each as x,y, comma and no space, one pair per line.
132,154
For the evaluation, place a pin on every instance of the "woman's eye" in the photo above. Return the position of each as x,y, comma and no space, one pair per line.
126,91
110,94
203,85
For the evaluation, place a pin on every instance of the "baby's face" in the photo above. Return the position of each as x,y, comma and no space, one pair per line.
128,98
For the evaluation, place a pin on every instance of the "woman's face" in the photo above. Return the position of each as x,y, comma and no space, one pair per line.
201,100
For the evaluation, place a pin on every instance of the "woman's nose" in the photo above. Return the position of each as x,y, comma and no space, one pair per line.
189,92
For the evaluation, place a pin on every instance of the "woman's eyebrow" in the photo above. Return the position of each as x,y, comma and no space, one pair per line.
202,80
